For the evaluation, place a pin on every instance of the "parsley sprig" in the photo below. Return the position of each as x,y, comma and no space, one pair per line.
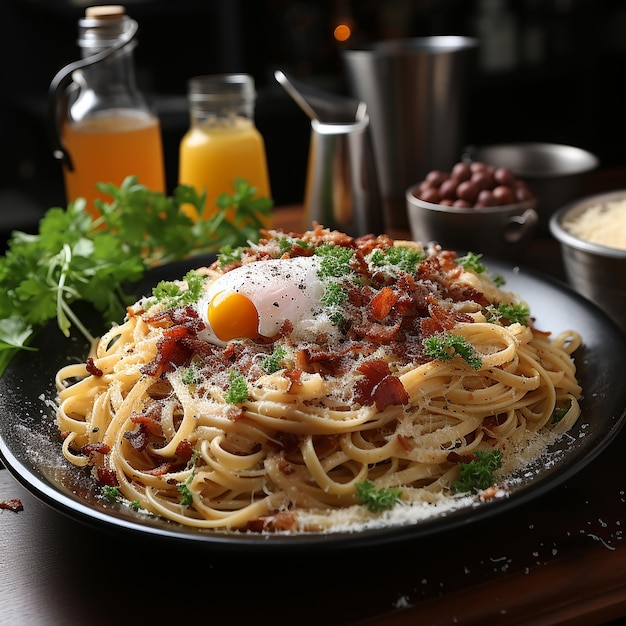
74,257
445,346
477,474
377,500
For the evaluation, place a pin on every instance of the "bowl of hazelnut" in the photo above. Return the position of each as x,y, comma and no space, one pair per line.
473,207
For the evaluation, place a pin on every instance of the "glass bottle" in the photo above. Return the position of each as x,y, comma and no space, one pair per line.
223,142
106,129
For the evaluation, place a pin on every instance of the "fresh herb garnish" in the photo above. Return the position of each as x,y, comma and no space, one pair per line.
334,295
186,497
228,255
511,312
444,346
377,500
190,376
271,363
335,260
398,258
111,493
74,257
171,294
237,391
558,414
478,473
471,261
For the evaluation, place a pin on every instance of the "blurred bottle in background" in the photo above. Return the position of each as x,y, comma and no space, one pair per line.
223,142
107,129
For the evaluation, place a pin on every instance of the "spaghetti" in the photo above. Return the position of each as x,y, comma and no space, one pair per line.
399,365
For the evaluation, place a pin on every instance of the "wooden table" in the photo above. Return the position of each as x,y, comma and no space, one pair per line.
559,559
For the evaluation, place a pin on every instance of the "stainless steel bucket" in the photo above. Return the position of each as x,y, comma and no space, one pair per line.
416,92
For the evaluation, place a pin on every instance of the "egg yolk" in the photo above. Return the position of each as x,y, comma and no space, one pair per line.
233,316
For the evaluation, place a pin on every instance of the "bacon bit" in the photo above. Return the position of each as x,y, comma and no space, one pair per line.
377,333
90,448
382,303
272,523
443,316
325,445
229,351
239,414
14,505
138,438
491,422
455,457
184,450
289,442
489,494
151,426
177,344
390,391
107,477
405,443
161,470
159,391
92,368
429,327
379,386
285,467
541,333
293,376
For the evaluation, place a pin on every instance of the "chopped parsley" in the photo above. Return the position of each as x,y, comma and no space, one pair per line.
111,493
186,497
286,244
334,295
444,346
171,294
271,363
471,261
335,260
512,312
478,473
558,414
237,391
190,376
228,255
398,258
377,500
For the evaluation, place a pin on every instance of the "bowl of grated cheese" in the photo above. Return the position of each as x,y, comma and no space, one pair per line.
592,236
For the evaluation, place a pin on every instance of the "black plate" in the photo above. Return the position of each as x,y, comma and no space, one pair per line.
30,444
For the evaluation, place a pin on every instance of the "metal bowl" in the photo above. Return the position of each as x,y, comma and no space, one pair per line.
500,231
596,271
556,173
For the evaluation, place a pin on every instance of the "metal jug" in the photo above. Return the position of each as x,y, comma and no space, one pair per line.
342,190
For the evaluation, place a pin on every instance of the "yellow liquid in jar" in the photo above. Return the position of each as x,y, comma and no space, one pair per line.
107,150
213,156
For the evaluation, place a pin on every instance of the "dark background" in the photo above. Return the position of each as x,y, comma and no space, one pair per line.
546,70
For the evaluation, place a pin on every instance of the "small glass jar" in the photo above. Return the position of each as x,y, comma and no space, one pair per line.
223,142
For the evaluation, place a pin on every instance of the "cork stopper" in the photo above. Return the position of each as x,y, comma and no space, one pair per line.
104,12
103,27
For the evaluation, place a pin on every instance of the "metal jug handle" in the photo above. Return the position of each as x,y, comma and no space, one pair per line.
519,226
57,92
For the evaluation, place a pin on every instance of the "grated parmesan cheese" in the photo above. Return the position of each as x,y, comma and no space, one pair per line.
603,224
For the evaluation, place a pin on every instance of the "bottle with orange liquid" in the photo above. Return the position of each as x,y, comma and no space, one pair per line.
105,128
223,142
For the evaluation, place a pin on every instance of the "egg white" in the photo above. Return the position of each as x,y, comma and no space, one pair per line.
280,289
